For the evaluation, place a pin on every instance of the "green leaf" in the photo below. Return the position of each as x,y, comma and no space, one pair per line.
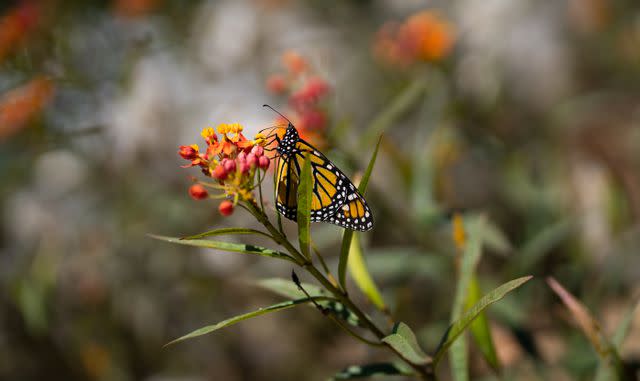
480,328
404,341
456,329
348,234
623,328
226,231
305,189
470,258
604,373
288,289
607,353
398,107
361,276
370,370
227,246
239,318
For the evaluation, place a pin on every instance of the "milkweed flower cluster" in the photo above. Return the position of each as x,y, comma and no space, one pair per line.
232,160
425,36
306,93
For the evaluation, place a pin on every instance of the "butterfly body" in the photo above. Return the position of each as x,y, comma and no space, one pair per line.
335,199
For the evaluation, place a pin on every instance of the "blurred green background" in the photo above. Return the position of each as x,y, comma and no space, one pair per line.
531,118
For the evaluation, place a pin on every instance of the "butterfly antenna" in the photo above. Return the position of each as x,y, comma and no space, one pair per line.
277,112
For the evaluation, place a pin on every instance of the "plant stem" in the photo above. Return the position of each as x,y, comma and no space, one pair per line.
424,372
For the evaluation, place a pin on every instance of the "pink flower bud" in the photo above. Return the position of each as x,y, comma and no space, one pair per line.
263,162
244,166
252,160
229,165
257,150
242,156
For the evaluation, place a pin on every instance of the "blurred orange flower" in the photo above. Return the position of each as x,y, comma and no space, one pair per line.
306,93
20,105
135,8
424,36
294,62
16,25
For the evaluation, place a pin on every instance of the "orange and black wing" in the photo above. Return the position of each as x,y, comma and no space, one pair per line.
332,190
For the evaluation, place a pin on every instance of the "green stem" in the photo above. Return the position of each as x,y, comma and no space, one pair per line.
424,372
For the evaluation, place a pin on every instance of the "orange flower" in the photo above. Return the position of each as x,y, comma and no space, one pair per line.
231,159
294,62
428,35
20,105
135,8
16,25
424,36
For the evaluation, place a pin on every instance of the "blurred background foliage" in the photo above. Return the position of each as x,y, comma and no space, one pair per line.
523,110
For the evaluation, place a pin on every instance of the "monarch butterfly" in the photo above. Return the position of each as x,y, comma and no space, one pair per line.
335,199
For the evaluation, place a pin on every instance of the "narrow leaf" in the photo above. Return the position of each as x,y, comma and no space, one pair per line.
370,370
226,246
623,328
305,189
604,373
456,329
286,288
591,328
226,231
480,328
239,318
470,259
348,234
404,341
361,276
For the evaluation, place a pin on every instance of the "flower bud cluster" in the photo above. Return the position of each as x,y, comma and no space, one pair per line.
306,93
231,159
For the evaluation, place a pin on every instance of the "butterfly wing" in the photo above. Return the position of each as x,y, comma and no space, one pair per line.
335,198
355,214
287,188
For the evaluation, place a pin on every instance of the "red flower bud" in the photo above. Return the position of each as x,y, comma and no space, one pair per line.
188,152
263,162
252,160
277,84
313,119
219,173
316,87
198,192
257,150
226,208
